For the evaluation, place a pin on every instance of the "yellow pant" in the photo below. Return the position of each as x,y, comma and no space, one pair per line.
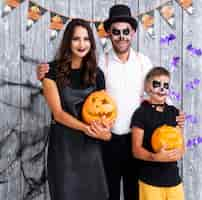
149,192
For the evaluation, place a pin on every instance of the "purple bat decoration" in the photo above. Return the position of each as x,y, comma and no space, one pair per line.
189,86
192,84
194,51
175,60
192,119
167,39
196,81
194,141
175,95
174,63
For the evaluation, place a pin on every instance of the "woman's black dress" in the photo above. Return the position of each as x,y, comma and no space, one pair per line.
75,168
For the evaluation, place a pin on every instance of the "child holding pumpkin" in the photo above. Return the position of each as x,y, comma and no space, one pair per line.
159,175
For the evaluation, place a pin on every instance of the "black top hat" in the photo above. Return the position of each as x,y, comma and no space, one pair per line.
120,13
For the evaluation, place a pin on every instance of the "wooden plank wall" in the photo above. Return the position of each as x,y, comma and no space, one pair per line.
25,117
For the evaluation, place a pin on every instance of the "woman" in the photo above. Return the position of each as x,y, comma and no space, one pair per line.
75,169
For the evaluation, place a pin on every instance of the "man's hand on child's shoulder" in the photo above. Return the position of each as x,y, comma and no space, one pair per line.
180,119
41,70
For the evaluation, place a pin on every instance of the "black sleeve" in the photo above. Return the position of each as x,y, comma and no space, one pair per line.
100,80
138,119
175,112
52,71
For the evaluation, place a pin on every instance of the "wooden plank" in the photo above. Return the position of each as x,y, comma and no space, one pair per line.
167,54
147,45
81,9
51,47
171,50
134,6
10,106
34,113
192,171
101,12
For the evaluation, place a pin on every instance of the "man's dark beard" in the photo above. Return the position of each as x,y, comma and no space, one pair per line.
117,50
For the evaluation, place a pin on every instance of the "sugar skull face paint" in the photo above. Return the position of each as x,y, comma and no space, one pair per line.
121,35
120,32
160,85
158,88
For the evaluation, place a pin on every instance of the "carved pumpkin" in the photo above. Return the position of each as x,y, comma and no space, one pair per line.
97,105
168,136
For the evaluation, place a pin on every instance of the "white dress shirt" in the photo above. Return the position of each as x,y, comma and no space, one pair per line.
124,83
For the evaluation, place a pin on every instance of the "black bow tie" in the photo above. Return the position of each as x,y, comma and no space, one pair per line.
158,105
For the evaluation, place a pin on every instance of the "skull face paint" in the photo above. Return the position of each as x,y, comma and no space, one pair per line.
121,35
158,89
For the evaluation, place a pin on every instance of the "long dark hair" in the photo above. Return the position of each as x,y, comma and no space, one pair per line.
64,56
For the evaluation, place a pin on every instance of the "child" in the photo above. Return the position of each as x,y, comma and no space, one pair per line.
159,176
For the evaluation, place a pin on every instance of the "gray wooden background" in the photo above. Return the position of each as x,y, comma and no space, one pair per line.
24,117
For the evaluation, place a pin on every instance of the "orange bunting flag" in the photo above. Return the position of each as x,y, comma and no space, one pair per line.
34,14
186,5
147,21
167,11
100,29
57,23
10,5
101,33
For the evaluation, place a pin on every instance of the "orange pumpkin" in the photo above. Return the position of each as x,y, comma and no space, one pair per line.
97,105
168,136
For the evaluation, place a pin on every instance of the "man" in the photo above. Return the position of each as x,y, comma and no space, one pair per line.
124,71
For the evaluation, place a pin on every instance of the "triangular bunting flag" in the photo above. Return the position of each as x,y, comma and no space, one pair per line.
101,33
167,11
57,23
10,5
34,14
186,5
147,21
100,29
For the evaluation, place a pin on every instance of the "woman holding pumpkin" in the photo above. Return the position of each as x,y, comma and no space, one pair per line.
159,176
75,169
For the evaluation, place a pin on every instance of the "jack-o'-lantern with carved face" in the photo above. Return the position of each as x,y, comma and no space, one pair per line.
99,105
166,136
